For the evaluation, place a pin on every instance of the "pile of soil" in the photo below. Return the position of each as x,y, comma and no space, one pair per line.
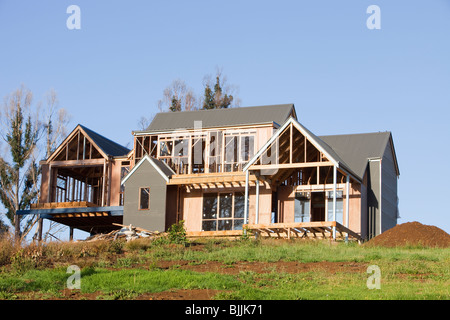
412,234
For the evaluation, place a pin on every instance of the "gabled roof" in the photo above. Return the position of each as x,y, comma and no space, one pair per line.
316,141
168,121
163,169
108,146
104,145
357,149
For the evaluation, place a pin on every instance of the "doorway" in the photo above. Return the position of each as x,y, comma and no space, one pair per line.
317,206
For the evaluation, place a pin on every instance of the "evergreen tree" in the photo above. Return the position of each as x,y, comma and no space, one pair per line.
208,100
175,104
216,99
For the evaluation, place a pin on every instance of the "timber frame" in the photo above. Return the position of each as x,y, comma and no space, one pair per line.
253,170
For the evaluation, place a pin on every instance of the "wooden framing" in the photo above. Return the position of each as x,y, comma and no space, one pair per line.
208,180
320,229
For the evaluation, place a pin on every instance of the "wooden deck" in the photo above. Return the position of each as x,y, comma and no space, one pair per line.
57,205
318,230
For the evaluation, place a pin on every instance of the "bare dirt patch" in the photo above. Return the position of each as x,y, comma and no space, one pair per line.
264,267
181,294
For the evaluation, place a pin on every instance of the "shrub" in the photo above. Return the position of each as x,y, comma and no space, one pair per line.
7,249
177,233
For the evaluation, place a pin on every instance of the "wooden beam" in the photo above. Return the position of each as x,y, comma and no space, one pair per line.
291,165
204,178
77,163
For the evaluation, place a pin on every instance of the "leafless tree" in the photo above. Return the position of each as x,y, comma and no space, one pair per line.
22,130
178,97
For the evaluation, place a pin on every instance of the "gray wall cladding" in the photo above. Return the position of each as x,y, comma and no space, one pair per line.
153,219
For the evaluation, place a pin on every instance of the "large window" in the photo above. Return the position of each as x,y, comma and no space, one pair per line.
339,206
207,151
302,206
215,151
239,148
223,211
144,198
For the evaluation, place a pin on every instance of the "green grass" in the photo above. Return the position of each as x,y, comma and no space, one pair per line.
406,273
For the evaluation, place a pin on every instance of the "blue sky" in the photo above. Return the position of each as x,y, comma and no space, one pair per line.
319,55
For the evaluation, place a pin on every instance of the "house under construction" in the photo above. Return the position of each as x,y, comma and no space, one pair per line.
223,171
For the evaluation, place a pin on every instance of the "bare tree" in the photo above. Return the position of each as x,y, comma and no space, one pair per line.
19,170
177,97
55,122
21,131
144,122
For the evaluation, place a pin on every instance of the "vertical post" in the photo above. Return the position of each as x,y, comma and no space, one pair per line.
103,183
257,202
334,199
108,198
246,198
71,234
40,226
347,203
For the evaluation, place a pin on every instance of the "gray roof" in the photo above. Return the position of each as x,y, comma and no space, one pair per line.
356,149
167,121
108,146
164,170
163,167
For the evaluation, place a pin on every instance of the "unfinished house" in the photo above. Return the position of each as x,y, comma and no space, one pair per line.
224,171
80,182
258,167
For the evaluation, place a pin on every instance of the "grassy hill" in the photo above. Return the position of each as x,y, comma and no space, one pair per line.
222,269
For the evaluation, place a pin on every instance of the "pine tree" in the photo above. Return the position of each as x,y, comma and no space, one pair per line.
208,101
216,99
175,104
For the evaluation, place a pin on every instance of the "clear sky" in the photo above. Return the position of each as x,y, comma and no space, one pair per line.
319,55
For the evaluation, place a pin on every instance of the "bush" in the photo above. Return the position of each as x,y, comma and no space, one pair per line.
7,249
177,233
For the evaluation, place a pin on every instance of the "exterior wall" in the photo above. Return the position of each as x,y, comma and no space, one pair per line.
171,206
155,218
374,198
355,208
382,194
388,190
115,183
44,183
286,204
364,207
192,209
265,204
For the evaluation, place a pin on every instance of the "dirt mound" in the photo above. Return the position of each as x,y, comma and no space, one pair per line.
412,234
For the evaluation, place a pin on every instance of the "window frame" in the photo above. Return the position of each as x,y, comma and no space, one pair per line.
140,199
218,219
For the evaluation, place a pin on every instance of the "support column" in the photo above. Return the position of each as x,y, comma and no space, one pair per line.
347,204
71,234
257,202
334,199
246,198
